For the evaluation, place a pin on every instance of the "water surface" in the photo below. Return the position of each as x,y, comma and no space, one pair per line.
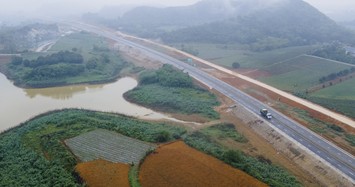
18,105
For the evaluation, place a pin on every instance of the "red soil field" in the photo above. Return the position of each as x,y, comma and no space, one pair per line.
104,173
177,164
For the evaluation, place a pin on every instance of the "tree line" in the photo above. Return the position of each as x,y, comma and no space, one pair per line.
335,51
334,76
56,58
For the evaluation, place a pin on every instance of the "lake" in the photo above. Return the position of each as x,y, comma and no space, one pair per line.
18,105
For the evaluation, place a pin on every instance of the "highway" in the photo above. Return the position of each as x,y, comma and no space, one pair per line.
335,156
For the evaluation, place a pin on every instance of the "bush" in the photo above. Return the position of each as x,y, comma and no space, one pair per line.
171,90
236,65
163,136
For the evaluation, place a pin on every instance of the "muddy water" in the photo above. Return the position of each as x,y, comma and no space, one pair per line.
18,105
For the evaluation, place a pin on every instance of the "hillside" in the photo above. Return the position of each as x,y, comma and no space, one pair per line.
288,23
263,25
175,16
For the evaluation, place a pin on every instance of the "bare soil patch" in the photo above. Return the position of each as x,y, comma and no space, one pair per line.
104,173
274,99
257,145
177,164
253,73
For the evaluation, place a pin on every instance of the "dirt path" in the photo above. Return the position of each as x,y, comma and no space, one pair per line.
335,61
45,47
308,104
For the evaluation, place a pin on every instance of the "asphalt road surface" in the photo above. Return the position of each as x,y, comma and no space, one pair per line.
334,155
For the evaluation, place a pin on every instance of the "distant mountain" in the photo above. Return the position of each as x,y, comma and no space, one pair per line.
202,12
263,24
288,22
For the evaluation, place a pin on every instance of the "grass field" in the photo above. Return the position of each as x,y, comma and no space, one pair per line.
223,132
301,73
340,97
104,173
177,164
226,55
342,91
108,145
83,42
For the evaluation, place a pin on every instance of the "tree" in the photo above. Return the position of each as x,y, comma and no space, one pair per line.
16,60
163,136
232,156
236,65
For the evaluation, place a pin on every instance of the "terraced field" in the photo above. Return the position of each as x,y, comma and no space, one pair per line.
107,145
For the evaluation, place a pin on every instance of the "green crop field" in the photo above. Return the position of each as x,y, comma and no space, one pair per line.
226,55
340,97
301,73
108,145
345,90
83,42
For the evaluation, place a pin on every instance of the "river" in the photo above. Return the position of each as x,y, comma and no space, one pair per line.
18,105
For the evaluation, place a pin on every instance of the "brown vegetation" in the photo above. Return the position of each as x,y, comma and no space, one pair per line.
104,173
176,164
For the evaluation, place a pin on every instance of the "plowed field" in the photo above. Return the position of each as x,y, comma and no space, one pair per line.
104,173
108,145
177,164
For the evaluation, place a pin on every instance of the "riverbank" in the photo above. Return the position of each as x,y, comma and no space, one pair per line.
19,104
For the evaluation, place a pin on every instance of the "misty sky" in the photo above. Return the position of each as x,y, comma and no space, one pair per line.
26,6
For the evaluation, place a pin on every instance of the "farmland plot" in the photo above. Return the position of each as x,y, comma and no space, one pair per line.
301,73
177,164
104,173
107,145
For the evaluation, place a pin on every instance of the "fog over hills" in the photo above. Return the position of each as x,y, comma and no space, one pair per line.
279,23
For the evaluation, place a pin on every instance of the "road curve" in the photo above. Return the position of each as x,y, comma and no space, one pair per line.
335,156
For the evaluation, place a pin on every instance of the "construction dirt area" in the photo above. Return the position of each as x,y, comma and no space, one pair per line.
263,139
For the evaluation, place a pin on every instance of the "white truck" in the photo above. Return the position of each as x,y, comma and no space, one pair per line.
265,114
